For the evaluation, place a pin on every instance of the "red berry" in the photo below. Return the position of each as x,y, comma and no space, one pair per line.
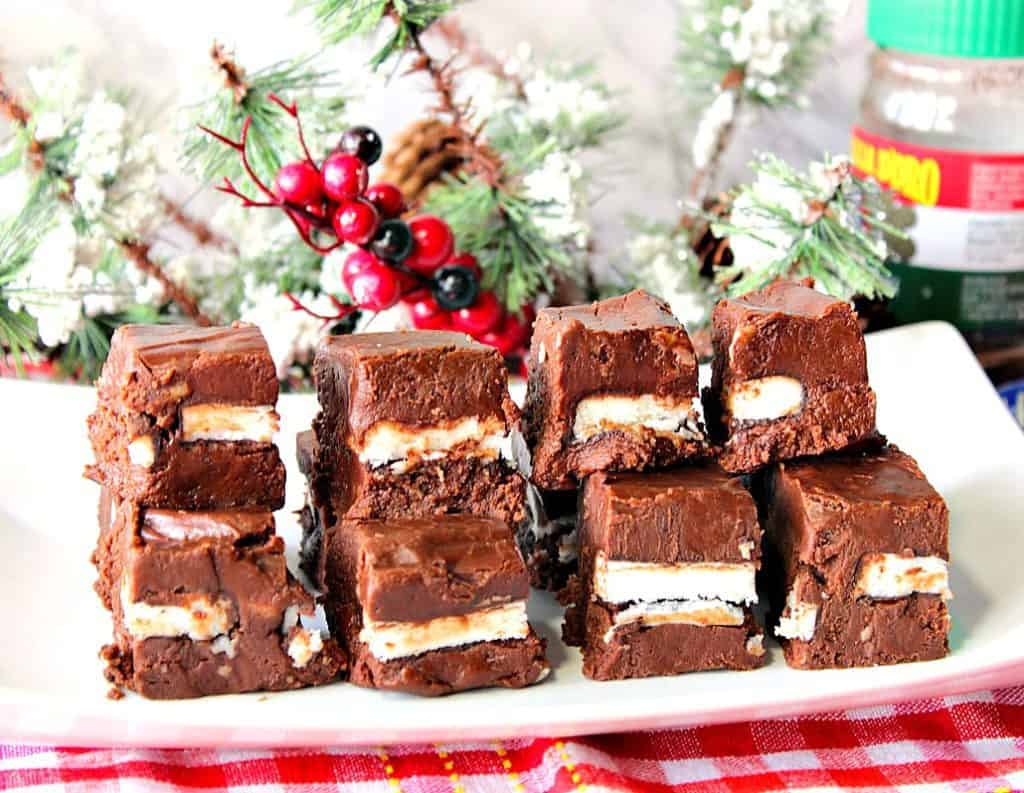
371,283
432,244
467,260
414,295
356,221
484,315
344,176
298,183
426,314
357,262
387,198
510,335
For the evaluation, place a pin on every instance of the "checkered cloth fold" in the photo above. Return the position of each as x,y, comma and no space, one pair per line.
971,742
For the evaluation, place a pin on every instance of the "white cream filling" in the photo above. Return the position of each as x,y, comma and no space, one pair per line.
201,619
304,646
765,398
218,422
388,443
703,613
225,645
390,640
618,581
755,645
568,547
887,576
798,619
142,451
606,412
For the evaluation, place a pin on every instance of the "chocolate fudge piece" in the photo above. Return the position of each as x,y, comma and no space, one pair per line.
861,543
185,418
203,603
612,386
413,424
668,562
789,377
432,605
549,540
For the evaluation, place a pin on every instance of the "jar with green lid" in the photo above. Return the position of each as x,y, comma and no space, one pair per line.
942,124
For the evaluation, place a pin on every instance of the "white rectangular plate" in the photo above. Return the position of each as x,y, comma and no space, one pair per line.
933,400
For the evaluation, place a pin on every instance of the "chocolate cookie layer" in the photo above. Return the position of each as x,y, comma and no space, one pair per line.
861,543
203,604
611,387
549,540
789,377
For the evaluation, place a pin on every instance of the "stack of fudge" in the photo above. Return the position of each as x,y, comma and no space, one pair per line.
413,505
189,563
668,543
857,540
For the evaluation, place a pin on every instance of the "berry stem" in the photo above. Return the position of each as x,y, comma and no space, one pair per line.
343,309
240,146
293,111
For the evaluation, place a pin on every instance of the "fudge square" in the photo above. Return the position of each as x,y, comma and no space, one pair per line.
203,603
789,377
186,416
432,605
415,423
612,386
668,562
862,547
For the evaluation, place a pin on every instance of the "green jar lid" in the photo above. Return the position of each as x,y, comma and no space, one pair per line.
959,28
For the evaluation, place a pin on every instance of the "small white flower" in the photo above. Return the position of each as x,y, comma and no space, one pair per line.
49,126
730,16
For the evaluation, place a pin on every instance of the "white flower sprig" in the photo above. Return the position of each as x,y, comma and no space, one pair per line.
739,53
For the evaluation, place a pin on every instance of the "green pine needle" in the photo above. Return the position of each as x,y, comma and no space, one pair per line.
272,135
498,227
843,248
340,20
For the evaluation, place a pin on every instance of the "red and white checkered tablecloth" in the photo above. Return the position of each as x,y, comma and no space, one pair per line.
971,742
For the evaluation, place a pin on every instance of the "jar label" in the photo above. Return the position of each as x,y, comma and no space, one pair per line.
968,260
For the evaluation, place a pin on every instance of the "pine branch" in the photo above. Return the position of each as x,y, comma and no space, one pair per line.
200,231
500,229
460,42
246,94
826,224
138,253
340,20
19,238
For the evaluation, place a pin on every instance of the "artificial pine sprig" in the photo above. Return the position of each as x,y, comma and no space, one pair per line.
825,223
339,20
500,228
19,238
246,95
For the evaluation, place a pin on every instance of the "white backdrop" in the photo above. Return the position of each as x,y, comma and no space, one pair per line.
160,48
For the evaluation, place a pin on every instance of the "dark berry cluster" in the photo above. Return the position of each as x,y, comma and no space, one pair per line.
413,261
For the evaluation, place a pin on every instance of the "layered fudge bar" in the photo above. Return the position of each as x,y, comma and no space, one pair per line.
413,424
549,539
668,562
432,605
203,603
861,542
185,418
612,386
789,377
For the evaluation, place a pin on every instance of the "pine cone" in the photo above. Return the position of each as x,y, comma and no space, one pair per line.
711,251
420,155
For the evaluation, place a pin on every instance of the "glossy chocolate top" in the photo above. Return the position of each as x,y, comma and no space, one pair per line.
827,512
691,514
418,569
412,378
636,309
180,526
628,345
153,369
791,330
788,297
